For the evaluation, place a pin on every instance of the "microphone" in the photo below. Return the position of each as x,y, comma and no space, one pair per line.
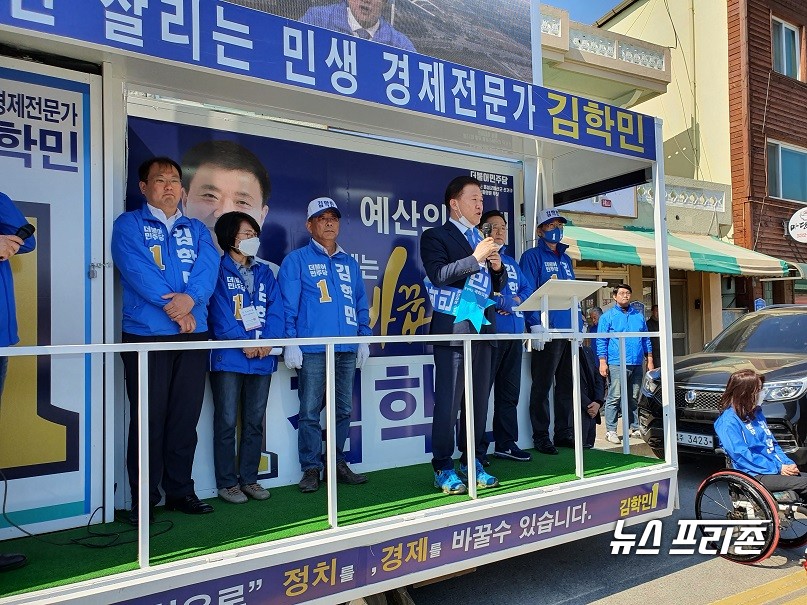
24,232
487,228
27,230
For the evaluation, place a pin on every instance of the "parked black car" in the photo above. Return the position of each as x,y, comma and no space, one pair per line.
773,342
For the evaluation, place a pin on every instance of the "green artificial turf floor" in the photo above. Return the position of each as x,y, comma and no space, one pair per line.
57,559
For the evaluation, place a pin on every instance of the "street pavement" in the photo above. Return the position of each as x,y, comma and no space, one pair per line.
585,571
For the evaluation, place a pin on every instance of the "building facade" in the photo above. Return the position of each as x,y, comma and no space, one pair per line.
699,145
767,97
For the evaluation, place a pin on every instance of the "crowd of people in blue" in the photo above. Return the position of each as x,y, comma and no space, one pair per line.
182,283
180,286
177,287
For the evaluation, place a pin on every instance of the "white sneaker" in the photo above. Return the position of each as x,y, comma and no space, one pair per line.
635,434
612,437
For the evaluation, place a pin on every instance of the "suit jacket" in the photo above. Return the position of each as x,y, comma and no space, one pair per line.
592,384
334,17
448,260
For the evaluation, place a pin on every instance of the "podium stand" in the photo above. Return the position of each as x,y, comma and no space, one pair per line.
560,294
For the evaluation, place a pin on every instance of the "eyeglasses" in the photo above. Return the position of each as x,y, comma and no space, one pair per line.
498,227
246,234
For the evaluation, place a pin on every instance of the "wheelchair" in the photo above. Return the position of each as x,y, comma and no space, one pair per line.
731,495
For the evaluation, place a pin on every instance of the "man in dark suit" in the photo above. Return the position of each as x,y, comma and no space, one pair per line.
360,18
464,271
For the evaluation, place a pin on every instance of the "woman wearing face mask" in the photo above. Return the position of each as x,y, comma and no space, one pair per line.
245,305
748,441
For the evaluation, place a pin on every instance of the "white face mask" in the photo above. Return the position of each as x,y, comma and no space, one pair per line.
249,247
466,222
761,397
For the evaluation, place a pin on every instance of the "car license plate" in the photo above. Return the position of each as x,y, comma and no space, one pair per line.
695,440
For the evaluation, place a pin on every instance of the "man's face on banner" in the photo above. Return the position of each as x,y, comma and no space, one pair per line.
367,12
214,191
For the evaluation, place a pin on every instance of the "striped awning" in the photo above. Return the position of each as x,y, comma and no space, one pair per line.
686,251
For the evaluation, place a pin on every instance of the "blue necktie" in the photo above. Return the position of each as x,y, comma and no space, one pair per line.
363,34
473,236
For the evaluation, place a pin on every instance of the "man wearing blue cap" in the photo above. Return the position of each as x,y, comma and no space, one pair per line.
551,361
323,295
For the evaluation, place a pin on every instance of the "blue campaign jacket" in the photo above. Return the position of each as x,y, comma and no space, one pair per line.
517,286
323,296
539,264
616,320
750,445
153,262
334,17
11,219
228,298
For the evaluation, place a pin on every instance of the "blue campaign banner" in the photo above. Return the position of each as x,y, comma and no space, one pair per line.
243,41
386,204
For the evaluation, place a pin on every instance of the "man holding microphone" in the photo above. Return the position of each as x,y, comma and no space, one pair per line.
464,272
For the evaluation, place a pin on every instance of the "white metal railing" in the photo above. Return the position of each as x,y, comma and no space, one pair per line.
142,349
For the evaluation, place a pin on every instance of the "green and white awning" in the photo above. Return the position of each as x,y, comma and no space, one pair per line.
685,251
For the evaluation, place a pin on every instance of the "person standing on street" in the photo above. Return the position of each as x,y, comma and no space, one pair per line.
622,317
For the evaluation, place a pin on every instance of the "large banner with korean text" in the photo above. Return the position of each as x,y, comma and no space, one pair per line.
386,203
51,434
492,537
246,42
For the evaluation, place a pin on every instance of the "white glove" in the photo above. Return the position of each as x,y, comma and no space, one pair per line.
362,353
293,357
537,344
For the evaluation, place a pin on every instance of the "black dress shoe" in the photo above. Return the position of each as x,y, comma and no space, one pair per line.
133,515
12,560
546,447
565,443
345,475
190,505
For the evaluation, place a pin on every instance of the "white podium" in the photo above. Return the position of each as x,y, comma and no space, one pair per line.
558,295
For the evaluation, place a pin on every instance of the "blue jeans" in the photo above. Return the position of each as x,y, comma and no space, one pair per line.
3,370
251,393
613,402
311,391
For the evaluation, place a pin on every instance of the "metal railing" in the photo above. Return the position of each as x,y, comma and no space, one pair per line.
142,349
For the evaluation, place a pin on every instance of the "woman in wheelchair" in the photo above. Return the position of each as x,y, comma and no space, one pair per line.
748,441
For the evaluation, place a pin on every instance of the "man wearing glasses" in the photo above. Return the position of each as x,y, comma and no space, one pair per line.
623,317
168,267
323,295
507,364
